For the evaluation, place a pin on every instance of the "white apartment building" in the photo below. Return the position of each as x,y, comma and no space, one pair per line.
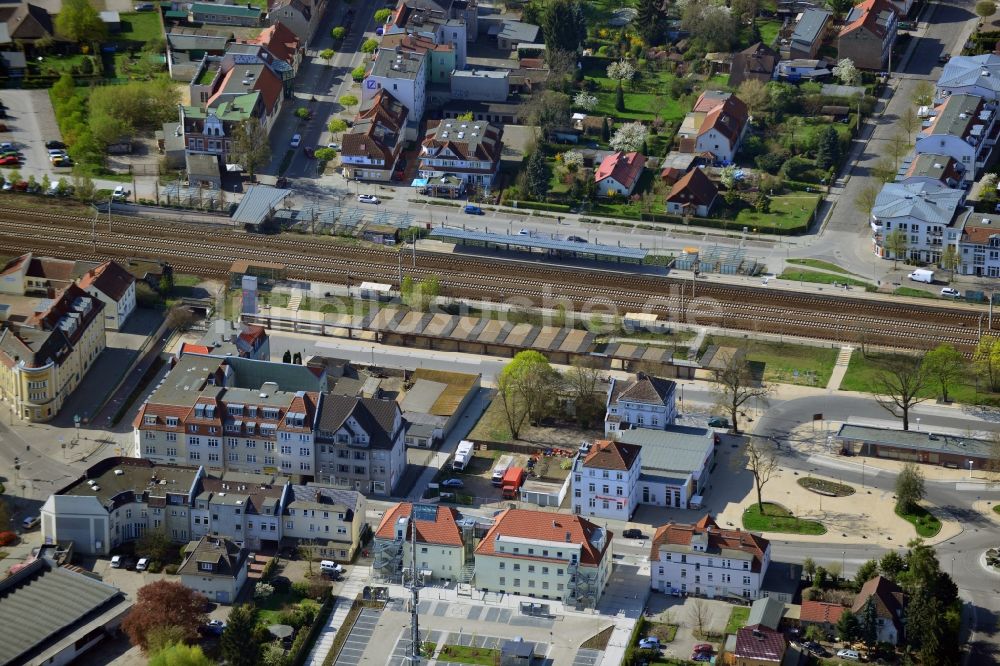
404,75
964,128
545,555
331,519
606,480
705,560
243,507
930,214
115,287
643,402
971,75
442,554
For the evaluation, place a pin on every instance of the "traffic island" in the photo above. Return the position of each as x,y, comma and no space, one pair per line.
925,522
467,654
776,518
825,487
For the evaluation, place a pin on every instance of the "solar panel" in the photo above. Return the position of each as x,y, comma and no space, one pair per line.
426,512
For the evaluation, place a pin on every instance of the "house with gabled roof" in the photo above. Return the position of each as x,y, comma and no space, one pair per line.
715,125
756,62
694,194
370,150
642,402
467,149
868,34
930,214
25,23
823,614
606,480
282,43
619,173
759,645
216,567
979,246
545,555
302,17
441,551
115,287
705,560
890,607
931,168
331,520
971,75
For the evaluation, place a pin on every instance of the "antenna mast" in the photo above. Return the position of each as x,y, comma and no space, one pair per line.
413,585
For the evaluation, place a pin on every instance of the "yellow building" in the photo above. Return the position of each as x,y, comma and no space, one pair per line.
47,343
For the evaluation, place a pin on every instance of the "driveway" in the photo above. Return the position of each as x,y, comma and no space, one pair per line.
681,611
626,591
32,122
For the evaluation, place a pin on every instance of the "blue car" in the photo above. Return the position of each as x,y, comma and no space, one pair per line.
452,483
474,210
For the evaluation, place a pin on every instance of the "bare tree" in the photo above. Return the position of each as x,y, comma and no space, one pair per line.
181,318
865,200
735,385
993,464
923,92
581,385
909,122
900,385
699,615
762,463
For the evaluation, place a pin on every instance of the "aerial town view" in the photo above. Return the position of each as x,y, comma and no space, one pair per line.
500,332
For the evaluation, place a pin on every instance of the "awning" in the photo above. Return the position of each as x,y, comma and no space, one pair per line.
419,182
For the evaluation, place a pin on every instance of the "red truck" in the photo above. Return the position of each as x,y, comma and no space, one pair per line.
512,480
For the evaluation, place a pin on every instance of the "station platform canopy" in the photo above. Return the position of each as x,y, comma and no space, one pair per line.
538,242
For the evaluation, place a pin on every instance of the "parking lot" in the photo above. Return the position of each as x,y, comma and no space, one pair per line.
31,122
357,640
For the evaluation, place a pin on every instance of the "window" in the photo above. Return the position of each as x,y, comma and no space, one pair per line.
171,436
503,581
204,566
251,458
304,452
517,567
213,457
503,565
531,568
517,582
286,450
746,580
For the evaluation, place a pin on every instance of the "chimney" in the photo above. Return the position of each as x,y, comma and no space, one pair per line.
568,539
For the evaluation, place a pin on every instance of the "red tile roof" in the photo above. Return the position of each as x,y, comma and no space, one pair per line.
110,279
605,454
725,112
189,348
546,526
443,530
681,534
872,17
820,612
280,41
694,187
759,643
625,168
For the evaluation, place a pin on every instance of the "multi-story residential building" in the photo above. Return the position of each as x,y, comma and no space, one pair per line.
243,507
403,73
218,14
301,16
48,340
979,246
469,150
705,560
115,287
442,553
964,128
868,34
232,413
370,150
715,125
360,444
329,520
216,567
930,214
480,85
441,60
282,43
971,75
545,555
932,168
643,402
890,608
676,463
435,24
606,480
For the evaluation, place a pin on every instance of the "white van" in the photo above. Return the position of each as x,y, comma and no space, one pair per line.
328,566
143,564
922,275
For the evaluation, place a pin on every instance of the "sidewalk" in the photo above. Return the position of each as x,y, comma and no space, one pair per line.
353,585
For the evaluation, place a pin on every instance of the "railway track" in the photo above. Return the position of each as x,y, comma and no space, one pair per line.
210,251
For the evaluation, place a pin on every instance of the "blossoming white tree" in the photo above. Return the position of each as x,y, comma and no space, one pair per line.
629,137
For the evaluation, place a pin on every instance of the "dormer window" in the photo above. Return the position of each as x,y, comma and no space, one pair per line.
204,566
150,420
171,421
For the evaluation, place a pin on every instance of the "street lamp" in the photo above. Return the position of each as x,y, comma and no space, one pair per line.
918,424
843,560
862,473
970,469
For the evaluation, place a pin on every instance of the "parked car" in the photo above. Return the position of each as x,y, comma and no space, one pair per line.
473,210
116,561
120,193
215,627
21,186
145,7
56,144
523,232
701,656
633,533
333,145
850,655
951,292
576,239
296,140
9,160
62,162
649,643
309,151
703,647
7,186
6,145
30,522
452,483
329,566
142,564
369,198
718,422
815,648
944,57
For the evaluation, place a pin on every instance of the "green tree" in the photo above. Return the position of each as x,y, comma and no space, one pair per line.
382,16
828,151
564,26
78,21
868,621
619,97
180,654
895,245
251,147
848,627
865,572
950,259
527,388
337,125
369,45
239,644
809,567
762,204
923,93
891,565
814,633
107,129
840,7
899,386
325,154
164,604
924,625
154,544
986,358
347,101
651,21
605,130
537,175
865,201
946,366
338,33
909,487
909,122
327,54
986,8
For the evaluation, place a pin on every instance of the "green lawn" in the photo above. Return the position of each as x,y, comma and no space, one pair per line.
777,518
738,617
464,654
186,280
788,211
57,65
916,293
270,609
818,263
925,522
823,278
638,105
996,509
665,632
862,373
140,27
787,363
769,29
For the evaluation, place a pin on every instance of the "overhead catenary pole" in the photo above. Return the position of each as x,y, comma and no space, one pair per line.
414,586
